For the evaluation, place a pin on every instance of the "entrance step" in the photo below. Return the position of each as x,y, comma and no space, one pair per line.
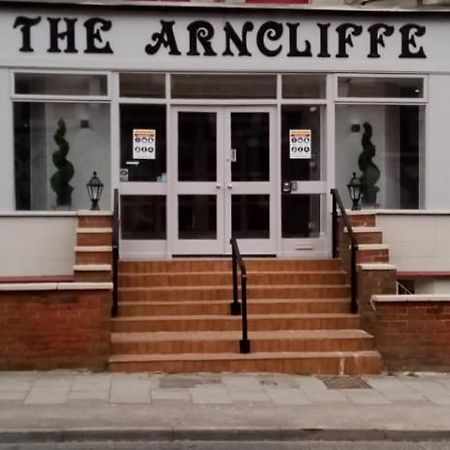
257,322
207,293
222,307
305,363
148,279
261,341
174,316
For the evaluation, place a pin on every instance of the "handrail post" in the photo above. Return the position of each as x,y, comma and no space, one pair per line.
235,307
115,255
337,203
334,226
244,344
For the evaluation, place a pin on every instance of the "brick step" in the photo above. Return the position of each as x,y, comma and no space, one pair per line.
95,254
222,307
372,253
99,219
224,264
225,278
94,236
367,235
225,292
92,272
257,322
362,218
228,342
349,363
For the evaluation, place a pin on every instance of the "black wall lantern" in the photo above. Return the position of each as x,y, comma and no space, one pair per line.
95,189
354,189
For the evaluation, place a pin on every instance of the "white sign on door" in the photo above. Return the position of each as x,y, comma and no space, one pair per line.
144,144
300,144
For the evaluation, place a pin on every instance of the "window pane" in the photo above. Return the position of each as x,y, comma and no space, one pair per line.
57,148
146,118
380,87
197,146
197,216
250,137
143,216
223,86
60,84
304,86
298,117
300,216
142,85
383,145
250,215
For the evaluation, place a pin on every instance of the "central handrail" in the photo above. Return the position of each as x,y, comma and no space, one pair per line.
337,202
237,308
115,255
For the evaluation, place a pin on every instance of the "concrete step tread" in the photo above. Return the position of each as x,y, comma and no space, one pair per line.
229,286
233,335
366,229
94,230
373,247
227,302
92,267
201,317
240,356
93,248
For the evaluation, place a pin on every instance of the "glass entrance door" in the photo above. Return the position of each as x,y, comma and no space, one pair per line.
224,180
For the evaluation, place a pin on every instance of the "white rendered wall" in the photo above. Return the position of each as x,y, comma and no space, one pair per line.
434,286
418,241
437,166
7,147
34,244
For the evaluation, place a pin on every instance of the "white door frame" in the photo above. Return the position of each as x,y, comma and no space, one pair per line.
223,188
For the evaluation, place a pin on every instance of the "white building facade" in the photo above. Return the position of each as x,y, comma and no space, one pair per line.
222,120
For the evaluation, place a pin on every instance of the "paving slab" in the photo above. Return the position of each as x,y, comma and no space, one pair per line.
287,396
210,395
431,390
173,394
365,397
130,389
242,383
394,389
47,395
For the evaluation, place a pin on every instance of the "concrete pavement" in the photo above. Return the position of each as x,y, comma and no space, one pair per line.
59,404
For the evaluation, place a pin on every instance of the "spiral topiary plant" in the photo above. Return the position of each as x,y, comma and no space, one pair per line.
60,179
370,171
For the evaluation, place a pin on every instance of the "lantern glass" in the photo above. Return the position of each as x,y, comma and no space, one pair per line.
95,189
354,189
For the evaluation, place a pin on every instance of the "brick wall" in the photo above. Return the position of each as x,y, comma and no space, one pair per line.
413,335
46,329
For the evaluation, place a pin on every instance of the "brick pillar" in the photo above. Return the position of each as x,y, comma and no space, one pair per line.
373,279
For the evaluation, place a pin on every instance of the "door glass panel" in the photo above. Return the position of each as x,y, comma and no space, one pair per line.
300,117
143,216
197,146
148,119
250,216
300,216
250,139
197,217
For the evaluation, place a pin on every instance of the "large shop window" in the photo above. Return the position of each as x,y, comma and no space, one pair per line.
383,145
57,148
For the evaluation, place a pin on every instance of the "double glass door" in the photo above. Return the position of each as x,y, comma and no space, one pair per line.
223,180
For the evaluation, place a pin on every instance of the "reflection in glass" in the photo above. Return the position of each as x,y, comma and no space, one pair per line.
295,117
250,216
143,85
304,86
380,87
152,117
143,216
60,84
223,86
197,146
88,139
250,137
197,217
300,216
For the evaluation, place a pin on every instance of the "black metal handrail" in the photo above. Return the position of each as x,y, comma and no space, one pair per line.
237,308
115,254
337,203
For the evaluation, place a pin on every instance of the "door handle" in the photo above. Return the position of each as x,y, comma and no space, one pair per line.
218,186
229,185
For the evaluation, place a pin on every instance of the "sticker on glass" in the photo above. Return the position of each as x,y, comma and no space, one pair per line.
144,144
300,144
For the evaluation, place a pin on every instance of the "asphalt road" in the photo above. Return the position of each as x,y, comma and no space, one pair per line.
230,445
